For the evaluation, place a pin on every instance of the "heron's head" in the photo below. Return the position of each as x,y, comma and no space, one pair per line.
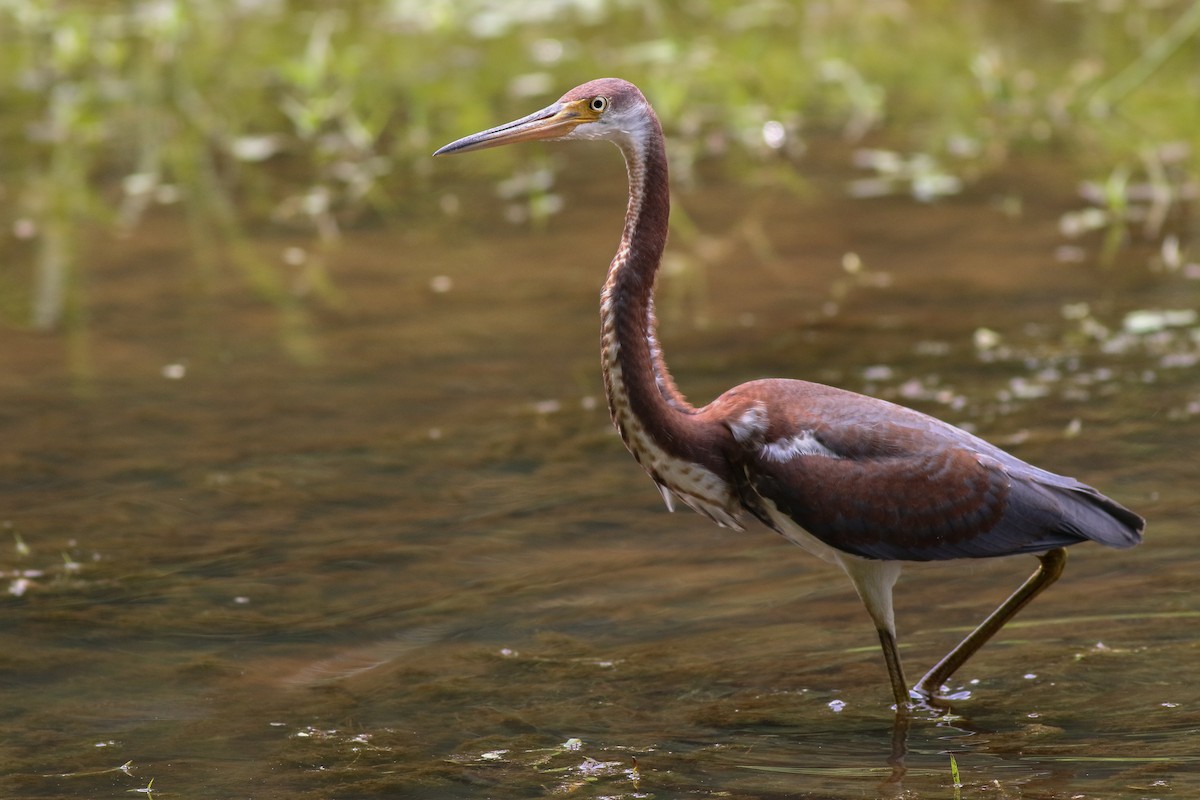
608,108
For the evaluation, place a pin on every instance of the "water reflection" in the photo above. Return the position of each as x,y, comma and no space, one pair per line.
397,570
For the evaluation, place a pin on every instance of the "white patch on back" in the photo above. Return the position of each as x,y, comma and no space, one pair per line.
750,426
804,443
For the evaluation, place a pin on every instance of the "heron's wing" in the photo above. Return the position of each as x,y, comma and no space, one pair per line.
881,481
936,505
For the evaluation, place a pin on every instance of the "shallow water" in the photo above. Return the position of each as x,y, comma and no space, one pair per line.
393,548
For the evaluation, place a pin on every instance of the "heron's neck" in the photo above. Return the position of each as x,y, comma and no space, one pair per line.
642,396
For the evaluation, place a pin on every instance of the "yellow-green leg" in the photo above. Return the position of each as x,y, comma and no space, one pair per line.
1052,563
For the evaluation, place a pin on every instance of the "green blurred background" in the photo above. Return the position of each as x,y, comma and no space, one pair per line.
251,115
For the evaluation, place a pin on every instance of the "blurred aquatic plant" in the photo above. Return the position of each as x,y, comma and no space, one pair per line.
1138,199
244,113
1152,57
921,175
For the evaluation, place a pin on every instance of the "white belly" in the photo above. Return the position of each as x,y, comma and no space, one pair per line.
797,535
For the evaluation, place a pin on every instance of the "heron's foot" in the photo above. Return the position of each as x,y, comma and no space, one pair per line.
926,697
916,701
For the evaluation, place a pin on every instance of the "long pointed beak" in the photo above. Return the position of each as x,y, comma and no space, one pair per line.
552,122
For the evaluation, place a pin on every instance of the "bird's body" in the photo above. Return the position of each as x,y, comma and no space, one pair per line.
856,481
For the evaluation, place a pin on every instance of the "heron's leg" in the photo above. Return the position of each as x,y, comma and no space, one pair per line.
874,581
891,654
1052,563
900,725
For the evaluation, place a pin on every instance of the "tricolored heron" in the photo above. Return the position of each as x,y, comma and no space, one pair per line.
859,482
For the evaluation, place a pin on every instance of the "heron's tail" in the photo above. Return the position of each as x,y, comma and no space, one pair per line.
1093,516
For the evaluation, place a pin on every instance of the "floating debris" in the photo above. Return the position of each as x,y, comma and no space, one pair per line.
878,372
1070,254
294,256
985,339
1153,320
545,407
774,134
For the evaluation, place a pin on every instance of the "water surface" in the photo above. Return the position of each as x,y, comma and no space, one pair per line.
393,548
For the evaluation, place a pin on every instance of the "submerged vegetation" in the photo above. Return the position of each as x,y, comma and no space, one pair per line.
312,117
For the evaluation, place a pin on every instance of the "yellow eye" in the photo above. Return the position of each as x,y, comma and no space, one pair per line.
599,104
